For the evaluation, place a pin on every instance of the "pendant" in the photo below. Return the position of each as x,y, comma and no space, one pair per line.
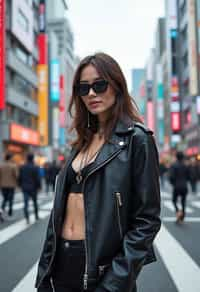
79,178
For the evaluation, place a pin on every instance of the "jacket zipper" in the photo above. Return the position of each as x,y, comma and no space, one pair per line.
119,204
85,277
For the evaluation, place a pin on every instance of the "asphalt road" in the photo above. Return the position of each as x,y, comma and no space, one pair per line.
177,249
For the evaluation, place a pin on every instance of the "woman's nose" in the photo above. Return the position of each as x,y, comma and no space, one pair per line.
91,92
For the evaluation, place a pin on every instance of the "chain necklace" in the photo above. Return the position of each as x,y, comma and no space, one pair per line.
79,176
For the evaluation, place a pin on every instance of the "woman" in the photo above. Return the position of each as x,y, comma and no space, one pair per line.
107,202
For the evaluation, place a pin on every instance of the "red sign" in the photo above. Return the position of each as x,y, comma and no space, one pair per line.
23,135
150,115
62,106
42,48
175,121
2,54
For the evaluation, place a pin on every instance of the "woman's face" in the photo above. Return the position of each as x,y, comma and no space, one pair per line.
97,103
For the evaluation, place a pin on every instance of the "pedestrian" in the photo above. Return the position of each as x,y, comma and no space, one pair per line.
162,173
107,199
47,176
53,172
179,176
193,175
29,181
8,182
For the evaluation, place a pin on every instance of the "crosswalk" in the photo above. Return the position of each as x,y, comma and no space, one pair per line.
180,265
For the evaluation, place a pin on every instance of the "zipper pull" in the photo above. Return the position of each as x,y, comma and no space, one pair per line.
85,279
101,270
118,194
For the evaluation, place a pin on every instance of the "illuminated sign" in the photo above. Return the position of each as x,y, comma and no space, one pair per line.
42,21
175,121
55,80
23,135
62,106
42,71
42,48
150,115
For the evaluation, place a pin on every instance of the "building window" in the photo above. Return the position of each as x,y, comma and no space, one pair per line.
23,21
24,87
22,55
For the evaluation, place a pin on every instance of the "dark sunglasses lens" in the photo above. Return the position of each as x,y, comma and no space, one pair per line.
83,89
100,86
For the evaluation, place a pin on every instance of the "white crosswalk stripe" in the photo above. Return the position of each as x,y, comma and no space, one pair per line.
170,206
196,204
14,229
27,283
179,264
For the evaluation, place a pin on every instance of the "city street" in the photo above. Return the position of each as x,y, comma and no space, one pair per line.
177,249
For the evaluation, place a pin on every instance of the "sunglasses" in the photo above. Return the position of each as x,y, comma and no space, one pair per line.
99,86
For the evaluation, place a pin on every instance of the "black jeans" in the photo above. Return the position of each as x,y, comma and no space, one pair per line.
33,196
69,266
182,194
8,195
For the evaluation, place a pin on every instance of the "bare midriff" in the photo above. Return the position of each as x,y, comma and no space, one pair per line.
74,221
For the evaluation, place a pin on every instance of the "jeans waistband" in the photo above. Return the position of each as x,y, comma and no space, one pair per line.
72,242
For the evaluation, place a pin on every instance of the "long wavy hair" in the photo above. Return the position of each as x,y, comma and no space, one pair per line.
123,108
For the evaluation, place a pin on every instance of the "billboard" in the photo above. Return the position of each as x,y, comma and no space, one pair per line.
62,105
150,115
62,136
42,17
172,14
42,71
175,121
23,135
198,105
2,54
192,49
42,48
22,23
54,80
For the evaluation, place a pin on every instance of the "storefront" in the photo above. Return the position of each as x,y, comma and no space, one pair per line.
192,138
21,141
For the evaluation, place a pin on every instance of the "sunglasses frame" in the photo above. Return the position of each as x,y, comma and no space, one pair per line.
92,85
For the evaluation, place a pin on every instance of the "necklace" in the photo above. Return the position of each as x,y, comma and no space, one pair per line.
79,176
101,133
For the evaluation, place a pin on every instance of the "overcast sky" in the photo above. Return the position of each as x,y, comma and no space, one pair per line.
125,29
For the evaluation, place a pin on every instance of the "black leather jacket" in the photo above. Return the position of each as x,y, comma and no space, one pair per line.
122,212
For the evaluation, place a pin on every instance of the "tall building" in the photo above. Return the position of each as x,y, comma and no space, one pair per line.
62,65
174,97
19,118
160,48
137,77
150,91
188,74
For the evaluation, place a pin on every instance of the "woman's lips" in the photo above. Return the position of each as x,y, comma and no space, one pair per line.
94,104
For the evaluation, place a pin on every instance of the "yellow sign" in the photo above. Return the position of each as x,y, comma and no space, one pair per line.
42,71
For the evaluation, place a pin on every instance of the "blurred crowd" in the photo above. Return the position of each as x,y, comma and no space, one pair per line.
182,174
28,178
193,166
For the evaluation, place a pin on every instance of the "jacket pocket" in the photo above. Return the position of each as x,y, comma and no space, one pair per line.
118,202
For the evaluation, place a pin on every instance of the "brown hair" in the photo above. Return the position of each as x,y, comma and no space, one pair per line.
124,107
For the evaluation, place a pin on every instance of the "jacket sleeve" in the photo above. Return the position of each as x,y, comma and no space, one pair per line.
144,218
